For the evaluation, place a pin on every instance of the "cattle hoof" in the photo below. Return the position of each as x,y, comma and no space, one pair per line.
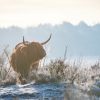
21,80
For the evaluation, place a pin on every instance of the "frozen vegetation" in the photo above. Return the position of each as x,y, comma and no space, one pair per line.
60,79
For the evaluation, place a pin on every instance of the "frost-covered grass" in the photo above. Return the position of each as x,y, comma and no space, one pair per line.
3,71
86,79
60,71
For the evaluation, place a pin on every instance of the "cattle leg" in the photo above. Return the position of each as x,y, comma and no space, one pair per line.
21,80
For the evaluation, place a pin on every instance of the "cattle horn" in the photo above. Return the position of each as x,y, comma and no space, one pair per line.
46,40
23,40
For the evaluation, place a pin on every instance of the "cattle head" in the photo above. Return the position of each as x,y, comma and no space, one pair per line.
26,55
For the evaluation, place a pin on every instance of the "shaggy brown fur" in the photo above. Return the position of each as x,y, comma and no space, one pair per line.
27,55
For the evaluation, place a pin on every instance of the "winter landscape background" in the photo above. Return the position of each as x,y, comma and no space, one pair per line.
81,40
